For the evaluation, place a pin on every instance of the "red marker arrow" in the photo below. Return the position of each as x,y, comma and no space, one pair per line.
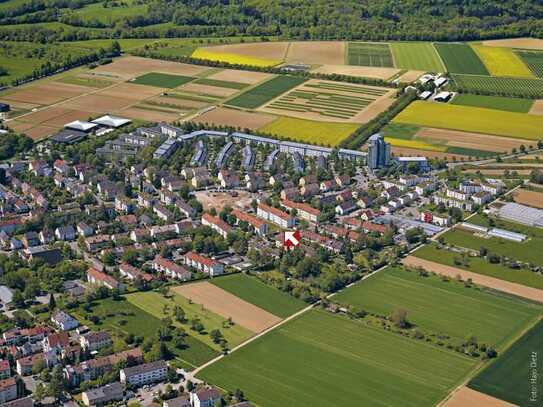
292,239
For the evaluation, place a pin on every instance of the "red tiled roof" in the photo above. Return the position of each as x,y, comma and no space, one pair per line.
274,211
206,261
246,217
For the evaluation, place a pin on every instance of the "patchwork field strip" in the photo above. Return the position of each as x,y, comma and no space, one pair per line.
227,305
328,99
534,60
465,396
508,86
420,56
530,198
369,54
507,287
502,62
265,92
461,58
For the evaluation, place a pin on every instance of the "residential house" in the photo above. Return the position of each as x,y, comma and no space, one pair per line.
8,390
181,401
163,213
97,277
25,365
124,204
345,207
205,397
171,269
217,224
103,395
259,226
275,216
132,273
147,373
5,369
98,242
187,210
309,190
95,340
65,233
64,321
203,264
303,210
84,230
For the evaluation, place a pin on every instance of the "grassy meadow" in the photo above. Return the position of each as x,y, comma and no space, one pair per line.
297,363
260,294
442,307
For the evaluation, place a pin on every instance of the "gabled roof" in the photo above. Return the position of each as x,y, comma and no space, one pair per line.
80,125
111,121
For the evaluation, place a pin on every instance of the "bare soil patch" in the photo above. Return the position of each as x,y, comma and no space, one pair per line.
131,66
72,115
537,107
491,282
530,198
231,75
411,76
100,103
373,109
219,200
149,115
44,115
317,52
266,50
351,70
208,90
527,43
47,93
235,118
180,103
476,141
464,397
131,91
228,305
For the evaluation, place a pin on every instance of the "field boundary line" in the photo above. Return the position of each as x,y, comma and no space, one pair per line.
439,56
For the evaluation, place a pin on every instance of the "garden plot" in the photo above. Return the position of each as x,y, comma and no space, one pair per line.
326,100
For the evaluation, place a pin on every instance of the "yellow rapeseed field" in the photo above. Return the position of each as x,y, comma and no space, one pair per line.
202,53
310,131
473,119
415,144
502,62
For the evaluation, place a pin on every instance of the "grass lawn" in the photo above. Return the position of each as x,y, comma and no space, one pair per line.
122,318
502,62
265,92
494,102
417,144
528,251
310,131
421,56
504,224
162,80
467,118
320,359
260,294
460,58
508,377
480,266
160,307
442,307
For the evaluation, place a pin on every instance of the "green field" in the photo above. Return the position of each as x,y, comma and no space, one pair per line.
481,266
534,61
260,294
420,56
368,54
494,102
528,251
461,58
508,86
310,131
442,307
504,224
466,118
109,15
156,305
508,377
122,318
400,131
321,359
162,80
265,92
221,84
